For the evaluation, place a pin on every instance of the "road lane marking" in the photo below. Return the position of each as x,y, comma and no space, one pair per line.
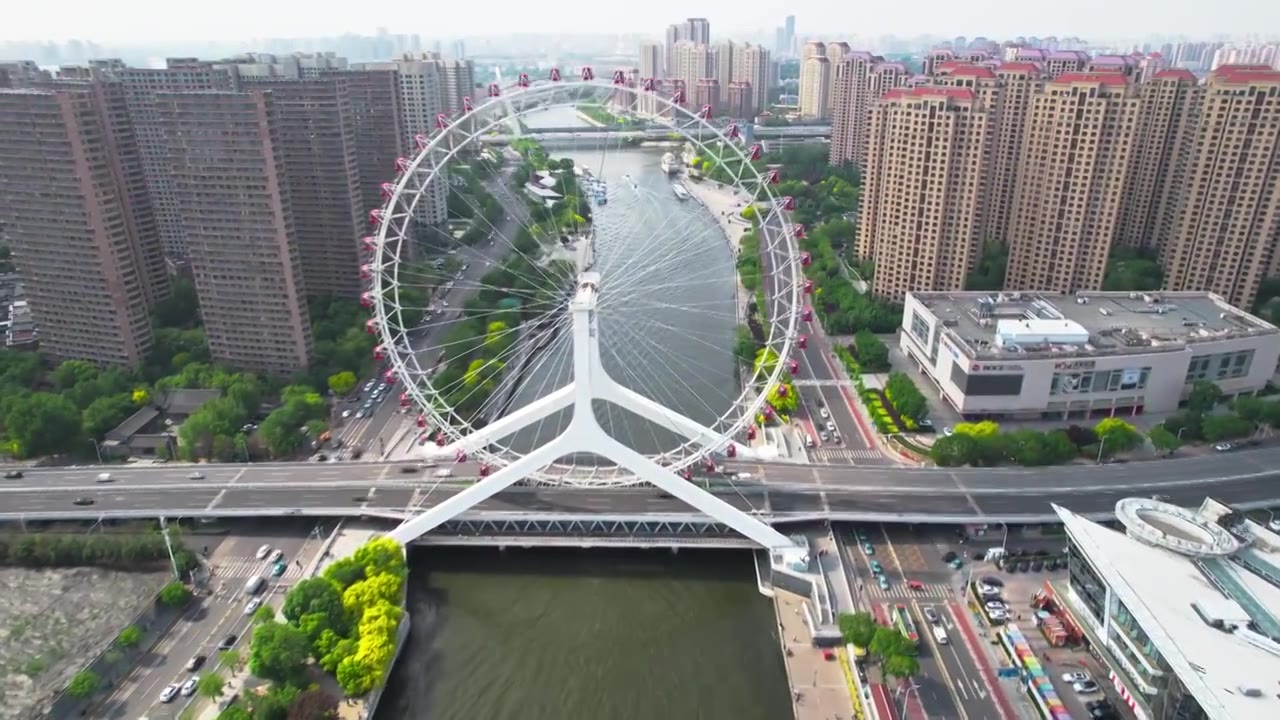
952,688
216,499
894,553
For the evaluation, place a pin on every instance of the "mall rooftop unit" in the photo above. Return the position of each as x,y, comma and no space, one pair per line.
1023,333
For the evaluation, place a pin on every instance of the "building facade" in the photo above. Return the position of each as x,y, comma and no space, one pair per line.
77,220
1066,213
815,86
921,211
229,162
1061,357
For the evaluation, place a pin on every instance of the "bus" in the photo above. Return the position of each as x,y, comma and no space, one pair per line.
903,622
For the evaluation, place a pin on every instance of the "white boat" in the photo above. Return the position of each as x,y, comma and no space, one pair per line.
680,191
669,164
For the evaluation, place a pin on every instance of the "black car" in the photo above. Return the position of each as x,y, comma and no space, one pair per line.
13,475
195,663
1037,566
1024,565
228,642
993,581
83,501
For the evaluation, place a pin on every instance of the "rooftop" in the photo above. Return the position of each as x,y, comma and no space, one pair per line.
1207,617
1114,323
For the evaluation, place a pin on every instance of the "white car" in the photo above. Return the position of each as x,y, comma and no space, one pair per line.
831,427
989,591
996,605
195,476
188,687
443,473
346,414
824,412
276,556
1075,677
1222,447
103,478
169,693
263,552
253,605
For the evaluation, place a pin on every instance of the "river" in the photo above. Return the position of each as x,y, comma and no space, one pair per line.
586,635
668,302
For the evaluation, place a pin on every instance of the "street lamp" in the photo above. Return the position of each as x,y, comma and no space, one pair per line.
1102,443
96,448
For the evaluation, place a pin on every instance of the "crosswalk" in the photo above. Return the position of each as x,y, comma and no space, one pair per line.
898,591
846,454
245,567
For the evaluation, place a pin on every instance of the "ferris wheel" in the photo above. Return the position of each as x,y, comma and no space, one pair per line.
560,305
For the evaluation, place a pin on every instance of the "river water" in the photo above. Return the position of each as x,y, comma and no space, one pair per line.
668,300
586,635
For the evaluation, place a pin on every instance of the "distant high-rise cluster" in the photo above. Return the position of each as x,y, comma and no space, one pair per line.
785,38
256,173
1060,157
733,78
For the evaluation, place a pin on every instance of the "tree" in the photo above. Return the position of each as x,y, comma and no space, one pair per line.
83,684
232,659
129,637
43,424
900,666
888,642
274,704
342,383
1204,395
1250,408
375,589
175,594
1163,440
1227,426
313,704
905,396
317,596
344,572
857,628
381,555
264,614
1116,435
278,652
978,430
956,450
107,412
235,712
873,354
211,685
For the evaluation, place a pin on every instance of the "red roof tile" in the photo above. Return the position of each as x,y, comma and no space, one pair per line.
927,91
1246,74
1175,74
1104,78
1019,67
951,65
977,71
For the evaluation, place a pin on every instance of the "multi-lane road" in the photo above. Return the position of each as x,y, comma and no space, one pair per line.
781,491
211,618
388,423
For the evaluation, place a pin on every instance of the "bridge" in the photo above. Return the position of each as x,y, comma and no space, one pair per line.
776,493
758,131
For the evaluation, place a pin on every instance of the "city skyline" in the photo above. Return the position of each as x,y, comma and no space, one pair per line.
1093,18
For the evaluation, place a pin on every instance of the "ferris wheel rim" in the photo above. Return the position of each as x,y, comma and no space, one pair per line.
784,251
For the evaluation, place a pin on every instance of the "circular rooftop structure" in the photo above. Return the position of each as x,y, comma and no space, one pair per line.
1174,528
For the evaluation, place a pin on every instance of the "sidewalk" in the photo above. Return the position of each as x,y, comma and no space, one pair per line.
819,689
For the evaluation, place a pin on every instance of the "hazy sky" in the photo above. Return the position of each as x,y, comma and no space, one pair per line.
139,20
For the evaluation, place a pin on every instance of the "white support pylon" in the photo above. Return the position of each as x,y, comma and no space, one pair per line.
585,435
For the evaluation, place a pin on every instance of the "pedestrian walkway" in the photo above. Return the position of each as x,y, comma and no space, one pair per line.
819,690
845,454
247,566
901,592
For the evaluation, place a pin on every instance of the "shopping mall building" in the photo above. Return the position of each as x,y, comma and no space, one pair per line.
1183,606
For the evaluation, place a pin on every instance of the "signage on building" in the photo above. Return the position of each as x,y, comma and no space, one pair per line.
1074,365
996,368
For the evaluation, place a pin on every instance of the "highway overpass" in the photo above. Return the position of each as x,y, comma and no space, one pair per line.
777,493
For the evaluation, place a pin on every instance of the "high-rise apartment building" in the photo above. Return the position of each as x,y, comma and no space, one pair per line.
693,62
77,219
815,86
375,106
652,61
722,62
835,52
922,202
459,83
858,83
1170,106
314,127
1067,209
753,64
741,104
693,30
1226,234
141,86
228,160
424,94
707,94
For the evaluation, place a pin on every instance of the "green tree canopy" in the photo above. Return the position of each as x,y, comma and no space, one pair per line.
857,628
83,684
1163,440
278,652
129,637
175,594
343,382
43,424
211,685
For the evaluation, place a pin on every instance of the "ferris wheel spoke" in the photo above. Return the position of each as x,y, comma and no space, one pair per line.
662,329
